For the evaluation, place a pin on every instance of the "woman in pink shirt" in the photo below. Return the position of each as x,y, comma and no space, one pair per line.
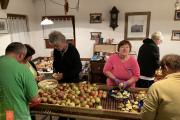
122,69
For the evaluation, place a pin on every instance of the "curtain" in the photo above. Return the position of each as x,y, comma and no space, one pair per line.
64,26
18,29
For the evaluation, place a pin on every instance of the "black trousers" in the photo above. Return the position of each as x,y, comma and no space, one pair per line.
33,117
144,83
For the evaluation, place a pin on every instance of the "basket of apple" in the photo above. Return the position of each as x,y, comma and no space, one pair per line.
74,95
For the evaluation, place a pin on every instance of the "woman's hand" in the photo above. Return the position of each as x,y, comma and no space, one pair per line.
124,85
116,81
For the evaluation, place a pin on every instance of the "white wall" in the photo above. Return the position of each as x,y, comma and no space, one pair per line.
162,19
4,38
24,7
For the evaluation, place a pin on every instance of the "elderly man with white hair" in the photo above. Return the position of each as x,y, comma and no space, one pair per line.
67,64
148,60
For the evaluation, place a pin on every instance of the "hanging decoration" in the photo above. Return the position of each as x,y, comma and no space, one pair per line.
66,5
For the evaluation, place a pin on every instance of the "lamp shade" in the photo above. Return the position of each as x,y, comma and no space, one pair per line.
46,21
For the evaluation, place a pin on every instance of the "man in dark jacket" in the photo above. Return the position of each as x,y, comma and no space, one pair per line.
67,61
148,59
67,64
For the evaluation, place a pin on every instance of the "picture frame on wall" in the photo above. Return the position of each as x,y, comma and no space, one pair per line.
3,26
95,35
137,25
177,15
95,17
175,35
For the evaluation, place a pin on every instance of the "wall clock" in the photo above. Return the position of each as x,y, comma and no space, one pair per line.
114,17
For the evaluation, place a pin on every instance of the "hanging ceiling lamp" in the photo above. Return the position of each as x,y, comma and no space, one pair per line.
46,21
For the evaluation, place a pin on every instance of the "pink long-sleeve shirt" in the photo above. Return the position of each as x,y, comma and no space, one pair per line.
122,70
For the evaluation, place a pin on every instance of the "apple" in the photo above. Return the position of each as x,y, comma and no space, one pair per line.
54,101
88,99
52,91
75,88
88,90
99,107
57,98
81,99
78,105
92,93
77,92
49,100
96,94
100,91
84,103
41,92
53,95
59,102
86,106
95,88
63,104
90,104
93,100
44,99
94,85
104,95
98,100
72,104
44,94
100,95
65,96
72,97
77,101
61,88
58,91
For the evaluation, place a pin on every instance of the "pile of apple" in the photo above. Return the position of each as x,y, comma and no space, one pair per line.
123,94
74,95
133,104
129,106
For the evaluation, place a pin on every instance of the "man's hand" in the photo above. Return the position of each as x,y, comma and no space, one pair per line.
57,76
35,101
40,77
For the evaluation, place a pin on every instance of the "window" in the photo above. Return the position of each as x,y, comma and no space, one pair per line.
18,28
64,24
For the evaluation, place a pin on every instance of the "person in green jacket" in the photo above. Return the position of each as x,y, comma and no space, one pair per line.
18,87
163,98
